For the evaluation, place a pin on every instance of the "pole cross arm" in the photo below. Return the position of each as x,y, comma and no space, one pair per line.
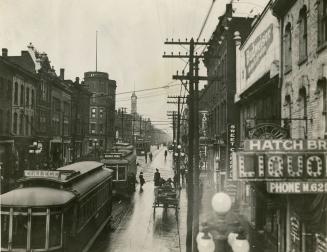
199,78
180,56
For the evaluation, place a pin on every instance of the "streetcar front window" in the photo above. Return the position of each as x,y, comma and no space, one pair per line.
38,231
19,230
4,230
55,230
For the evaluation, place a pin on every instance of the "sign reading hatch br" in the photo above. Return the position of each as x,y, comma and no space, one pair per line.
282,159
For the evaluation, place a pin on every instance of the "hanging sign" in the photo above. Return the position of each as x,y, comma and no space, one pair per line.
281,166
295,232
231,143
285,145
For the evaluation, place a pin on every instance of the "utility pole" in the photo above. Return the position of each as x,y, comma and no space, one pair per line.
192,178
179,98
123,110
196,173
133,126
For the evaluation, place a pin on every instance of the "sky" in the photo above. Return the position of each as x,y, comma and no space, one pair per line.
131,35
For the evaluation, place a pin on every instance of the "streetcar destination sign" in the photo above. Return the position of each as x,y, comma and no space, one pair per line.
297,187
41,173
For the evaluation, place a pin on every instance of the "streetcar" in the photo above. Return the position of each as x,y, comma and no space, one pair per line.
58,210
122,160
142,146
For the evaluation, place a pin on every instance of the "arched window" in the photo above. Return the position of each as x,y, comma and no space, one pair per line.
16,94
1,121
27,97
322,22
288,48
15,128
303,100
27,124
22,95
21,124
8,122
303,42
9,90
32,99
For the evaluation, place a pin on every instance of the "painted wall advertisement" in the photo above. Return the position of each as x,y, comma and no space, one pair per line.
255,52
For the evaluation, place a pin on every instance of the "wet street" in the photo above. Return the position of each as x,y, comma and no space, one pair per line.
142,229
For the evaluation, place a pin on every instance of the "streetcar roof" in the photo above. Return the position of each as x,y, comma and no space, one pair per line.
36,197
81,167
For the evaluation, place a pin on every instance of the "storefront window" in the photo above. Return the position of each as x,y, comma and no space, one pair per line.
55,230
19,231
38,234
4,230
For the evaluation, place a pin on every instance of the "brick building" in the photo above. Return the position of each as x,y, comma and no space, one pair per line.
258,99
303,72
102,111
218,95
18,83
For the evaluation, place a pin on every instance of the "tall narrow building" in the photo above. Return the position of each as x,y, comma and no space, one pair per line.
102,110
133,103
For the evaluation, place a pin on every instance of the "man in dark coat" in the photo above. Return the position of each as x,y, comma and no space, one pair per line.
156,178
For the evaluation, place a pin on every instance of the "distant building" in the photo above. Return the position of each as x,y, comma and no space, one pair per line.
80,119
133,103
102,110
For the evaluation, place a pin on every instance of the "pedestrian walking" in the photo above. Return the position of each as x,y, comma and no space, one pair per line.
156,178
142,181
183,175
166,153
150,156
146,157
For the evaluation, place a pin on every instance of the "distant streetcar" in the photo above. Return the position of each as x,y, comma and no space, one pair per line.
142,146
61,210
122,160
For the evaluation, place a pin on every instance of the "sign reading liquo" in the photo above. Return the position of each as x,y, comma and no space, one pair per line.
282,159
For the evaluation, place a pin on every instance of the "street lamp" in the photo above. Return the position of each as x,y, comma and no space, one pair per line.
221,203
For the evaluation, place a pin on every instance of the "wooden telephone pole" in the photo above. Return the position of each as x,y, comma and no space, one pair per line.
193,135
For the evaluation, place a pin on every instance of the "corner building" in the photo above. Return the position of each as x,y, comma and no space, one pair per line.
303,72
102,111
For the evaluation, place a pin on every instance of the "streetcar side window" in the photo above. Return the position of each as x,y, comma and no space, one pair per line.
19,231
38,233
4,230
55,230
121,173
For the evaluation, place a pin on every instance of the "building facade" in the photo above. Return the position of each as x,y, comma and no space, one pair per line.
18,113
217,98
102,111
303,25
258,98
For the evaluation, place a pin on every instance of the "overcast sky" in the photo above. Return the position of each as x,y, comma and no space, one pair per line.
131,35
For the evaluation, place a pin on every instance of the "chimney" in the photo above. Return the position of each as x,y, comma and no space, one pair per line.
62,73
4,52
77,80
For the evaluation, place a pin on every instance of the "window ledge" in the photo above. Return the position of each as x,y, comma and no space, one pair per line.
322,47
288,70
303,60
